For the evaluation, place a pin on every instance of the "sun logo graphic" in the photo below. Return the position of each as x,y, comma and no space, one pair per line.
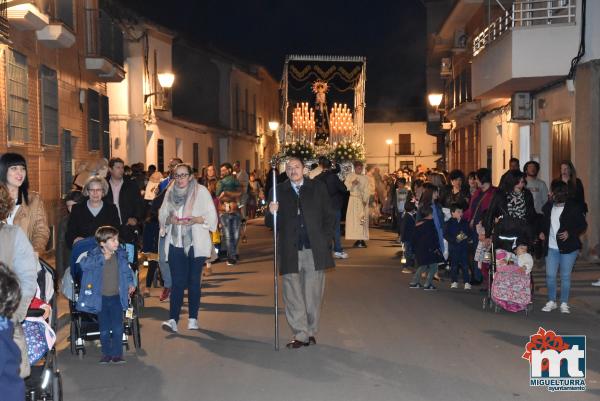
556,362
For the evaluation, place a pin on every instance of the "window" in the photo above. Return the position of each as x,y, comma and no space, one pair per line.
64,12
49,106
98,123
67,162
105,126
195,156
406,165
252,117
18,100
245,112
247,166
210,155
405,147
160,155
93,120
237,107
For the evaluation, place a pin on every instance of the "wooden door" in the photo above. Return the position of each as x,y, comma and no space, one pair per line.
561,145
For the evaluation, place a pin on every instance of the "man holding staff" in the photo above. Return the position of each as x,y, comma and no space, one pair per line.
305,225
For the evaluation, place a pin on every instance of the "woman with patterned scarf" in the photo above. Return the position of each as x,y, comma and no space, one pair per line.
511,214
186,217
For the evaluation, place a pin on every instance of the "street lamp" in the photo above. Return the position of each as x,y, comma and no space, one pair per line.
165,79
389,144
435,99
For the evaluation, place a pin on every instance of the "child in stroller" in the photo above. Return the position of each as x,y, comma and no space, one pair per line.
511,286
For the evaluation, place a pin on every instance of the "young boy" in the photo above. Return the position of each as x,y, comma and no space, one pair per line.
427,249
12,387
456,233
106,285
408,229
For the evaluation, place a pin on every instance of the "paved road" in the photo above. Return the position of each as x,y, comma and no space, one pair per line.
379,341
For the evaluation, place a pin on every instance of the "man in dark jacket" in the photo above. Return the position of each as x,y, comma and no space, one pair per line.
125,195
337,192
305,223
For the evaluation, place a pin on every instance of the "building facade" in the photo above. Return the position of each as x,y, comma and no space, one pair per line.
56,58
521,79
400,145
217,110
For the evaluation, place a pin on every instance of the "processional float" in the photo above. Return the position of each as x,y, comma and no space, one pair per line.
322,114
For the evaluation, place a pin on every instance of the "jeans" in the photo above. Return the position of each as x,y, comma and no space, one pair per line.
430,269
459,257
186,271
337,245
231,223
165,270
563,261
110,320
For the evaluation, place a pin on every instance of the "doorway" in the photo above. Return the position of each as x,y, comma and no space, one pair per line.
561,144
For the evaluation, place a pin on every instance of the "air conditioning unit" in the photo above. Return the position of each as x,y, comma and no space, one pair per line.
446,67
521,107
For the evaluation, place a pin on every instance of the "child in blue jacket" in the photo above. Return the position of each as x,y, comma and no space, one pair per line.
457,234
12,387
106,285
427,249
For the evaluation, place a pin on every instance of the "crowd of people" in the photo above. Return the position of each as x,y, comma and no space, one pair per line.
182,221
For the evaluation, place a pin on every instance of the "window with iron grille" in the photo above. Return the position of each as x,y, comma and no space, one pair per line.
4,26
93,120
64,12
49,105
104,127
67,162
18,101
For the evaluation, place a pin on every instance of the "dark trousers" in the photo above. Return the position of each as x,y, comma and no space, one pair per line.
459,257
110,320
186,271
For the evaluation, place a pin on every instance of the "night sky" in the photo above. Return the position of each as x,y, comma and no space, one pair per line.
391,34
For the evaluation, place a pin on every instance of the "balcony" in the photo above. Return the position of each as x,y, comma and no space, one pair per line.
27,15
104,46
530,46
4,26
405,149
58,34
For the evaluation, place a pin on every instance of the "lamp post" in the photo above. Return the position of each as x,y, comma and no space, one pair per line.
389,144
435,99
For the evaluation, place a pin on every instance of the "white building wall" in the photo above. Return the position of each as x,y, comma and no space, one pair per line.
376,148
498,133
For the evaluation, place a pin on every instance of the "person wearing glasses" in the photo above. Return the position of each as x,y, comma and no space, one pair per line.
91,213
187,217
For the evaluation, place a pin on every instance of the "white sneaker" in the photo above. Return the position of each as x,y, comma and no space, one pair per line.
193,324
170,325
454,284
564,308
550,306
596,283
340,255
467,286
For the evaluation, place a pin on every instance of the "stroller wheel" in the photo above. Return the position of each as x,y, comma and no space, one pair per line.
135,332
57,390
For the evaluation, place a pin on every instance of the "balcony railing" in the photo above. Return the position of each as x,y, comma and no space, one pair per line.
4,27
405,149
104,37
61,11
526,13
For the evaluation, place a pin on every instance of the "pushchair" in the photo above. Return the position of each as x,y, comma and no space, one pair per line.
45,382
508,287
84,326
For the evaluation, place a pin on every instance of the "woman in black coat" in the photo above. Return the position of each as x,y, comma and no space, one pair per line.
511,213
91,213
562,224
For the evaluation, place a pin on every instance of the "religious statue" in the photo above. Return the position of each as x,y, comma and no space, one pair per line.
320,88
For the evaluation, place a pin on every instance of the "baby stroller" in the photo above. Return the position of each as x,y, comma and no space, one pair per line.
84,326
45,382
509,287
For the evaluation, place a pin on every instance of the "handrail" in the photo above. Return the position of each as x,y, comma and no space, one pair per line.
526,13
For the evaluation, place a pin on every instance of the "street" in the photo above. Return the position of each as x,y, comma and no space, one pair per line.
379,340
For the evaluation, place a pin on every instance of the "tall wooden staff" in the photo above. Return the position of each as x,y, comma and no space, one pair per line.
275,270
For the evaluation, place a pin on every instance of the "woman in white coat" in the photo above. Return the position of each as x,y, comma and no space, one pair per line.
186,217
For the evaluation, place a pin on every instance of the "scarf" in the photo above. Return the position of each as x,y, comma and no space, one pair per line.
516,205
177,198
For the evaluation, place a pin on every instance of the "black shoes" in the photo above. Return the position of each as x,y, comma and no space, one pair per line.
295,344
312,340
360,244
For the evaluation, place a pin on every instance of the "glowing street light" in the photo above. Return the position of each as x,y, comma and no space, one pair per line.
435,99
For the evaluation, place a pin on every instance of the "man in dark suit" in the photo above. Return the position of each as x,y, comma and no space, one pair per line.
305,223
125,195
